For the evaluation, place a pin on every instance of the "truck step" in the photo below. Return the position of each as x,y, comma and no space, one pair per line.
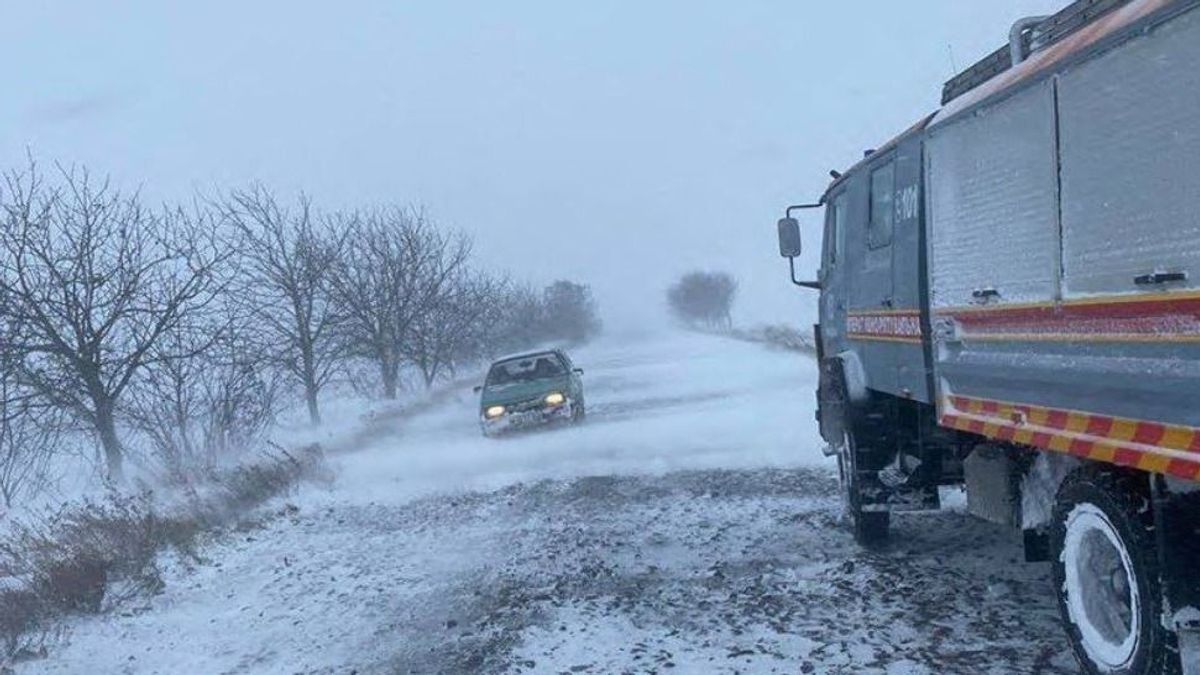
900,501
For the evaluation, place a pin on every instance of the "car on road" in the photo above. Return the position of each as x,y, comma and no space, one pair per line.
531,389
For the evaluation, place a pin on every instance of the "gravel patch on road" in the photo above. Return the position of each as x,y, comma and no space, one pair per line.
732,571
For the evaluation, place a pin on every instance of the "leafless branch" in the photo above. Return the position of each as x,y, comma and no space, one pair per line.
97,280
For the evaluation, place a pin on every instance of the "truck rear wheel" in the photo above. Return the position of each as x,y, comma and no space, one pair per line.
1106,577
870,527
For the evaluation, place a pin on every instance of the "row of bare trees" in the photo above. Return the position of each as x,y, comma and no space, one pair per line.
181,330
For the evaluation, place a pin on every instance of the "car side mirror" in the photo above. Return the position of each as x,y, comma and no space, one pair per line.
478,388
789,238
579,371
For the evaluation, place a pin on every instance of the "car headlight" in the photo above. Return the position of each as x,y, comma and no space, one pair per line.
494,412
555,399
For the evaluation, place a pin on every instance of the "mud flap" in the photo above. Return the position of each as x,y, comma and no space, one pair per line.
993,492
1177,522
1187,629
831,403
1036,544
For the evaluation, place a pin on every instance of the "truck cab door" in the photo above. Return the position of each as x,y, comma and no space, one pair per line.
907,321
869,253
833,277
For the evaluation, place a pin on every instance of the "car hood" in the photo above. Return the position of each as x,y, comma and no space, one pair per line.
522,391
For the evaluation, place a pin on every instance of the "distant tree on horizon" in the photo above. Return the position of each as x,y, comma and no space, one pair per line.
703,299
569,312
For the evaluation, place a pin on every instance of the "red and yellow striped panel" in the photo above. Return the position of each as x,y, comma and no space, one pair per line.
1150,446
1160,317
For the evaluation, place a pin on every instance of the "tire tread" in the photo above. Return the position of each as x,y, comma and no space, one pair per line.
1123,498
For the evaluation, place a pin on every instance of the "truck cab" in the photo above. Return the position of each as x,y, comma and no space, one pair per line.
872,270
876,390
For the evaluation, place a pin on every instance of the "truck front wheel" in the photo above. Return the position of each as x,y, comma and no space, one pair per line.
1106,577
870,527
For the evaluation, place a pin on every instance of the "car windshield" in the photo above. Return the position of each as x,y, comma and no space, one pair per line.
527,369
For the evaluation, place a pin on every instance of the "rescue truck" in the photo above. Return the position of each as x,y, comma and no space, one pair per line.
1010,302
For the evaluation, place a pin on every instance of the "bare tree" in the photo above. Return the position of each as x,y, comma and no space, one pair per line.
704,298
521,323
29,427
287,259
484,316
96,280
396,267
197,411
457,326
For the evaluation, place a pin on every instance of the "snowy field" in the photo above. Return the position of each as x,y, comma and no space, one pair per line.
691,525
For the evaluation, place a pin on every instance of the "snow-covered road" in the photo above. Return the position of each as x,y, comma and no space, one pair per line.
691,525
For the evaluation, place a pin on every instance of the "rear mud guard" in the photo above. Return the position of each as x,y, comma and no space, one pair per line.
1177,525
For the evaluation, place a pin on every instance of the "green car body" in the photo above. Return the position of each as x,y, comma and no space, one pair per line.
531,389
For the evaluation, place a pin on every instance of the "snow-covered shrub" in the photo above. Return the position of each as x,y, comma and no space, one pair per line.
781,336
23,623
88,556
251,484
69,556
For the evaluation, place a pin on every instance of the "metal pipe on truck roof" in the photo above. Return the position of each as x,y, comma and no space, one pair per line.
1016,41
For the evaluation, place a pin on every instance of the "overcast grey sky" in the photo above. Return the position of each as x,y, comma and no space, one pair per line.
619,143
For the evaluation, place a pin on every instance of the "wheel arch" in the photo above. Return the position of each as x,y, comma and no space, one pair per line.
841,390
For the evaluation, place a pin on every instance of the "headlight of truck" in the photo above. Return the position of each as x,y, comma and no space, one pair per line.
555,399
494,412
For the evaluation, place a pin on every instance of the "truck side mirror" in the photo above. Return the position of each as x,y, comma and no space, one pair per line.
789,237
